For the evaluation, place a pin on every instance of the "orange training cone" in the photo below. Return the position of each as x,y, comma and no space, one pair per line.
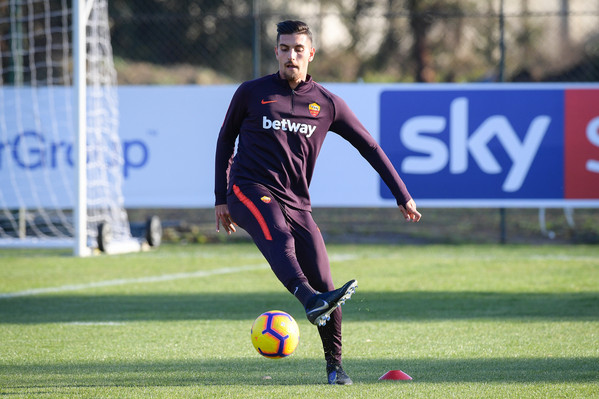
395,375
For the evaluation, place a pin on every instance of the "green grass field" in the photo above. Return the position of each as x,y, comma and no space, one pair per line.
463,321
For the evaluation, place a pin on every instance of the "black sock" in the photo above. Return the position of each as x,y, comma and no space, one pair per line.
302,291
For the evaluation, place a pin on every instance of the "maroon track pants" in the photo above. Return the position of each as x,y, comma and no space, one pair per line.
292,244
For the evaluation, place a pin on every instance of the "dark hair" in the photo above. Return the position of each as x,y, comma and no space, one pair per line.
290,27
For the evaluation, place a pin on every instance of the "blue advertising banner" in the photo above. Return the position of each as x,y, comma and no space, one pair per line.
480,144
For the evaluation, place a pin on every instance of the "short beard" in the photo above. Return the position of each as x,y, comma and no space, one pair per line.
291,76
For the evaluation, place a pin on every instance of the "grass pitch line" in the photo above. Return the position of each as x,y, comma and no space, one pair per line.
140,280
94,323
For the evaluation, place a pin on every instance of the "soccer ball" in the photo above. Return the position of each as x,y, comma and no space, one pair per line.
275,334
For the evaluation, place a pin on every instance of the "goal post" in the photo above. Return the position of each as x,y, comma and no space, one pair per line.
60,154
81,13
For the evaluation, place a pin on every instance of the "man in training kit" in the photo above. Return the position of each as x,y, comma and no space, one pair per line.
281,121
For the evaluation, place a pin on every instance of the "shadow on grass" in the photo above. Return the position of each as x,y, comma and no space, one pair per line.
293,372
365,306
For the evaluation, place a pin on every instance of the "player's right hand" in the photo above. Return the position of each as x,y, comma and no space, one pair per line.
223,216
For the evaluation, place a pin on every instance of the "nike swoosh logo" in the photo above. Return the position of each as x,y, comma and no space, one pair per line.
326,305
268,101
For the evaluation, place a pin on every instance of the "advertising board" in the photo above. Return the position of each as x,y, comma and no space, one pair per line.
494,146
455,145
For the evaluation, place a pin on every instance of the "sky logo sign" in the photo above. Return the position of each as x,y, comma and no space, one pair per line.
475,144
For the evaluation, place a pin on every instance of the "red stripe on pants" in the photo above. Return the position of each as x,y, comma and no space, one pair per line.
254,210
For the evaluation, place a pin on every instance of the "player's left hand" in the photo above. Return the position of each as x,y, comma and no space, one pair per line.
409,211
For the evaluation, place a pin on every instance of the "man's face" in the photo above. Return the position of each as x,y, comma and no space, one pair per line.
294,52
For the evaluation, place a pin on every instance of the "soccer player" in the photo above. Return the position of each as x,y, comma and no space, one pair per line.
280,122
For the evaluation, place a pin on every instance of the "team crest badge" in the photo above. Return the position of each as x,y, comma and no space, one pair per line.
314,109
265,199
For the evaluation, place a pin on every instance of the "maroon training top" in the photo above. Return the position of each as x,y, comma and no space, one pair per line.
280,133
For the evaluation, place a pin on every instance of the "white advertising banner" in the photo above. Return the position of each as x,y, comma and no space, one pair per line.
36,147
169,139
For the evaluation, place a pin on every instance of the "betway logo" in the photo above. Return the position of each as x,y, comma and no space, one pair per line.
416,133
287,126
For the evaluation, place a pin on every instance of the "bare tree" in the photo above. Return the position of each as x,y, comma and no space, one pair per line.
424,15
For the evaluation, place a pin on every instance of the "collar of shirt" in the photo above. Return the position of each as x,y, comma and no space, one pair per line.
302,87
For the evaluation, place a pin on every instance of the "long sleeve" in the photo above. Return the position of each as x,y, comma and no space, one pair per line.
347,125
225,145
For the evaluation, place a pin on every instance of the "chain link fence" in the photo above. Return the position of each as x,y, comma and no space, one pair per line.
211,42
229,41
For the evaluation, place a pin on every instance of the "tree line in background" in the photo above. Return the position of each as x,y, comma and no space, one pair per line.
210,41
221,35
384,40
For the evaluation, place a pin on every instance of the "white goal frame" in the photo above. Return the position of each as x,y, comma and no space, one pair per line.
88,214
81,13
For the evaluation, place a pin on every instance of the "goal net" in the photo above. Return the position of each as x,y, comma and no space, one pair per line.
38,154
